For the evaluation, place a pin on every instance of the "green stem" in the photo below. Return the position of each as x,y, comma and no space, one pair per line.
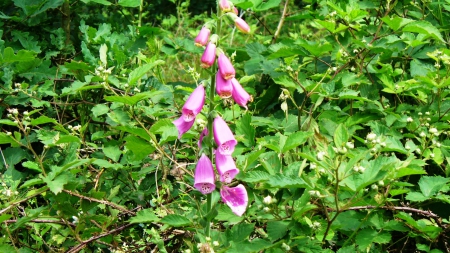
212,94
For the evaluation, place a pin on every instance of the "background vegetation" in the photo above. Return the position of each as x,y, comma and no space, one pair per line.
344,148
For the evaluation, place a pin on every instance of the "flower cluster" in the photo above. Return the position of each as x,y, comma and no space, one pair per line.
226,86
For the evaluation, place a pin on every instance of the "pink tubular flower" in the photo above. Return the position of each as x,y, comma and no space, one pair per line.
236,198
204,133
240,96
225,5
209,55
202,37
194,103
204,175
223,136
182,125
226,167
242,25
226,69
223,87
191,108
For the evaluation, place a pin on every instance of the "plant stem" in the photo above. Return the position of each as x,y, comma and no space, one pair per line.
280,23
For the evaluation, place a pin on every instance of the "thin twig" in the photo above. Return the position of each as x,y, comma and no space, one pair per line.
44,221
94,238
111,204
280,23
398,208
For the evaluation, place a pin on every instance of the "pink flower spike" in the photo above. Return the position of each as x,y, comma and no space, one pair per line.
224,88
226,69
202,37
236,198
242,25
194,104
204,133
225,5
240,96
182,125
209,56
226,167
223,136
204,175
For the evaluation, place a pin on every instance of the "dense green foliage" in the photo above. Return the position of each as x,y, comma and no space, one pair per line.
344,147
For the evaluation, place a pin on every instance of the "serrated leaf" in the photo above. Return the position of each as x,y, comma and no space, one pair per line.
296,139
256,245
284,181
130,3
6,139
175,220
56,185
99,110
138,73
254,176
139,147
409,171
133,100
432,185
104,2
240,232
277,229
144,216
265,5
424,27
396,22
8,122
244,127
105,164
415,197
43,120
31,165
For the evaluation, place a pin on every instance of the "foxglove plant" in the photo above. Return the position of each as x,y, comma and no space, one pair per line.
209,56
224,88
191,108
226,69
223,136
202,37
240,96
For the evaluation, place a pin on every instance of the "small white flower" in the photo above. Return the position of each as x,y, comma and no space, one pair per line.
427,124
381,183
371,137
432,155
438,144
374,187
434,131
356,168
428,119
208,239
266,209
321,155
420,114
136,89
361,169
418,151
216,243
427,113
267,200
355,51
422,134
334,69
409,120
285,246
312,166
350,145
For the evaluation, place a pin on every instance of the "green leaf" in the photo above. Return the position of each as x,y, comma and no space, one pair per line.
43,120
56,185
296,139
424,27
283,181
246,130
31,165
175,220
8,122
139,147
103,50
255,245
6,139
277,229
240,232
144,216
396,22
138,73
416,197
105,164
260,5
409,171
104,2
111,149
68,139
255,176
432,185
99,109
365,237
132,100
130,3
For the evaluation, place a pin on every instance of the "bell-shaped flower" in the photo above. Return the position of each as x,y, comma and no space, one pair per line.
225,5
209,55
240,96
194,103
226,69
236,198
224,88
204,133
182,125
223,136
202,37
242,25
191,108
226,167
204,178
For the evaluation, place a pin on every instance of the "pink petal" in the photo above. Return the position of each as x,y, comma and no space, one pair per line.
240,96
194,103
224,87
226,167
182,125
223,136
226,69
209,56
236,198
204,175
224,5
202,37
242,25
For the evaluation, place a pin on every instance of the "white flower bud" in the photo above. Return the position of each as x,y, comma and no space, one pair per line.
321,155
409,120
371,136
267,200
